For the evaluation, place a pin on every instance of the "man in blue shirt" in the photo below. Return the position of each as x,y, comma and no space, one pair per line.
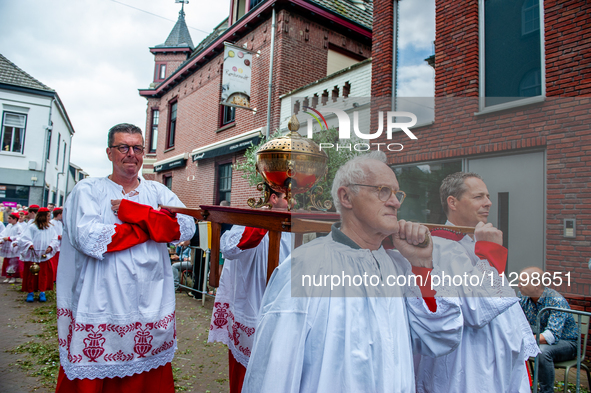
558,338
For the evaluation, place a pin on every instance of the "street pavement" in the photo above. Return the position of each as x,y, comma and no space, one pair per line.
198,366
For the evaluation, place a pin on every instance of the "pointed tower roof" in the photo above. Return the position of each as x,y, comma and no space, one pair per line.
179,36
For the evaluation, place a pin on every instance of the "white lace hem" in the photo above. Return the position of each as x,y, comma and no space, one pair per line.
96,243
221,335
120,370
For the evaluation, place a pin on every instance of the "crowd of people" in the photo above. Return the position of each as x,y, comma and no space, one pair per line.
30,245
116,290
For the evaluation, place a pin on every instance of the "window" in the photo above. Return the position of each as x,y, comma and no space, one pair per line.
61,202
171,125
162,72
421,184
238,9
154,139
57,154
167,181
228,114
224,183
254,3
530,17
13,132
512,67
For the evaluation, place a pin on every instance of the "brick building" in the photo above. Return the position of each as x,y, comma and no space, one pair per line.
512,102
192,141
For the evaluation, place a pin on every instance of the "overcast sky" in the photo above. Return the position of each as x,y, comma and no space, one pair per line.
95,54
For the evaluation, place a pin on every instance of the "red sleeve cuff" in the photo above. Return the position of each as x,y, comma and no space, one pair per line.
161,226
495,254
126,236
426,291
251,237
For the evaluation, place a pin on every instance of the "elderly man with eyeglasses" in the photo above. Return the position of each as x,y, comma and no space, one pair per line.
341,314
115,292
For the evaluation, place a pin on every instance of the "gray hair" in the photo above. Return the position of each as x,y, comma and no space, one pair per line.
453,185
353,172
123,127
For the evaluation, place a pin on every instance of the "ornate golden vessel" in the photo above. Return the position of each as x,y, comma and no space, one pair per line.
35,268
289,164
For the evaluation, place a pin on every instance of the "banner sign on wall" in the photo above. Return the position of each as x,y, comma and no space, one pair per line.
236,77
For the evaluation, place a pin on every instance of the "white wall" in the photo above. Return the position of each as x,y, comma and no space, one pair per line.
358,76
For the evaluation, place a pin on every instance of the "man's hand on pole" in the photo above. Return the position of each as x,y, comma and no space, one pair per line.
407,240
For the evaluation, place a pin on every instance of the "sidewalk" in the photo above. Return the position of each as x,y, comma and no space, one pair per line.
198,366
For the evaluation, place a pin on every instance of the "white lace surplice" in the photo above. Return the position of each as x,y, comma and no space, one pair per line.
115,310
40,240
497,338
13,231
345,344
239,296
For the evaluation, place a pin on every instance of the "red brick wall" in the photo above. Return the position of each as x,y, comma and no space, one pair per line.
559,125
301,48
172,60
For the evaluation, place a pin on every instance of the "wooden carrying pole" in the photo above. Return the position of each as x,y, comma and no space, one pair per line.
275,221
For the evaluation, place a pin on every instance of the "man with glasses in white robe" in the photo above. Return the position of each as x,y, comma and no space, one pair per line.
115,293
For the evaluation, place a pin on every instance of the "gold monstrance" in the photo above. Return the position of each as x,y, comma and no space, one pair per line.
289,164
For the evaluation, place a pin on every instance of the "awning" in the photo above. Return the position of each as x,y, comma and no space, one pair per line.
171,163
228,146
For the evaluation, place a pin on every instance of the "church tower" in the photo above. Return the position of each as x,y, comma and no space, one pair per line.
174,51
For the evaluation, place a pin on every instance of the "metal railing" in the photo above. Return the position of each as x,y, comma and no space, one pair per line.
203,270
579,313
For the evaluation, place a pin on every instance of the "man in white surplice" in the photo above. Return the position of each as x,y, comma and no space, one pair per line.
115,293
495,343
313,336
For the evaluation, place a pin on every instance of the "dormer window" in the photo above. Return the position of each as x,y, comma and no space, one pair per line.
239,8
160,72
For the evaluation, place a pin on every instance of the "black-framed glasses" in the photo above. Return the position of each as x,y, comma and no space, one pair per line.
124,149
384,192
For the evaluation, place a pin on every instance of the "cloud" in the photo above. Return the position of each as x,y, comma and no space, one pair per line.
95,54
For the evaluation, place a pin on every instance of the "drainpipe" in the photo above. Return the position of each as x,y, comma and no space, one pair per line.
394,55
45,148
67,170
272,54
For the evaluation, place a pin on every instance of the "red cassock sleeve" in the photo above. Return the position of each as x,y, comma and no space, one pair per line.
126,236
425,273
161,225
251,237
426,291
495,254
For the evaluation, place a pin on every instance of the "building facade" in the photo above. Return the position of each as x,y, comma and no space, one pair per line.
512,103
192,140
36,137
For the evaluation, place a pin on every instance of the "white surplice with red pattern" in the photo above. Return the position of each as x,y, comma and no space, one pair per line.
115,293
242,285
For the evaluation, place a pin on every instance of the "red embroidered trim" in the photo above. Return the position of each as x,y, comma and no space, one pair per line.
447,234
119,357
163,347
94,341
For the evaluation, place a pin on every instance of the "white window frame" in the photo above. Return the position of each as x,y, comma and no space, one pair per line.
481,74
23,133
